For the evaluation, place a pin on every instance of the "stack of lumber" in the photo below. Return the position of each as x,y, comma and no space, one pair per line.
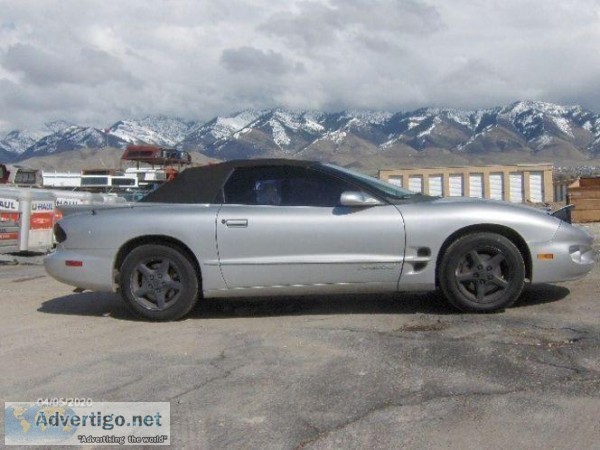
585,195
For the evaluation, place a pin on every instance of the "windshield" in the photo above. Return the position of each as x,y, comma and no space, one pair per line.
385,188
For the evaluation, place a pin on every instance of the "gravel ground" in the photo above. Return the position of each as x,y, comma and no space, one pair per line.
594,230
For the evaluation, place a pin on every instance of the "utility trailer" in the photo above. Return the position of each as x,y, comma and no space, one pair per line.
19,175
156,156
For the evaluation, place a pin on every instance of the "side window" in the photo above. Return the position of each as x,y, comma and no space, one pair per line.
283,186
25,178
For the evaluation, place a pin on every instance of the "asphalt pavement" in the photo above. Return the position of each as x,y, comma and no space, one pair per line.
385,371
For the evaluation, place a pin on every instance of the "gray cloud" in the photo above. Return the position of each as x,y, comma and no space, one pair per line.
256,61
95,62
317,24
87,66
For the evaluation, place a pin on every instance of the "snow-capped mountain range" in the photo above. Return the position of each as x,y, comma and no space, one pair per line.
162,131
523,130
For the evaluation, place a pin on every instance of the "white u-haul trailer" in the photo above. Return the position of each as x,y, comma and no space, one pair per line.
28,215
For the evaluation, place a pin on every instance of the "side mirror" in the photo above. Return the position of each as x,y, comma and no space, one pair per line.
356,198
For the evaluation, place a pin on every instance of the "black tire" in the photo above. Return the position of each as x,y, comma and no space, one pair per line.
482,272
158,282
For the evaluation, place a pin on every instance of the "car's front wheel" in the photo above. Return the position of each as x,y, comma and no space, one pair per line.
158,282
482,272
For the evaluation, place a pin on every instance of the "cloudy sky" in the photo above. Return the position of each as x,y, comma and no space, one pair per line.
94,62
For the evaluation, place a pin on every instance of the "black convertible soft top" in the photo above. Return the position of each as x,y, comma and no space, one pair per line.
203,184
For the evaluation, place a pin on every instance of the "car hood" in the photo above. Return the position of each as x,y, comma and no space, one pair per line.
488,205
486,202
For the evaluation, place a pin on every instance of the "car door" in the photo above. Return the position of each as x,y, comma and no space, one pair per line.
281,228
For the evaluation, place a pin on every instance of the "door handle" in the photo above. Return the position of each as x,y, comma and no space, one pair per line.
235,223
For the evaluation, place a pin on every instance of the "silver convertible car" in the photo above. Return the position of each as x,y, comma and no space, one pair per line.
285,227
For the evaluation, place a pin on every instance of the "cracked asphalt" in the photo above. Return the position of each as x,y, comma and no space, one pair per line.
385,371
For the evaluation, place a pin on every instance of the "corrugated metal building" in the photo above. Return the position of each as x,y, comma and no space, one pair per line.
516,183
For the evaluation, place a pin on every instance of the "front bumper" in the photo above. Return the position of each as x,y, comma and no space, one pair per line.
95,272
573,256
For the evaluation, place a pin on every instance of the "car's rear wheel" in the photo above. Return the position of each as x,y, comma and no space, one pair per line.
482,272
158,282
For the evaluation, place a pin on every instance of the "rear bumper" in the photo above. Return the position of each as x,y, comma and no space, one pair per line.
95,272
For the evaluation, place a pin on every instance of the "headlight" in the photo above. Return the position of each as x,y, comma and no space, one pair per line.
581,254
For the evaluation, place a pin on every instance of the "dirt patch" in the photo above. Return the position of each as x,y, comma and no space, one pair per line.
428,326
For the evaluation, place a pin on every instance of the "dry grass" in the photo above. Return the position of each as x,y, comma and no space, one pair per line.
104,158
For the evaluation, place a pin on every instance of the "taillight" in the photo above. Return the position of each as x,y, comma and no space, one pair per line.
73,263
59,234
